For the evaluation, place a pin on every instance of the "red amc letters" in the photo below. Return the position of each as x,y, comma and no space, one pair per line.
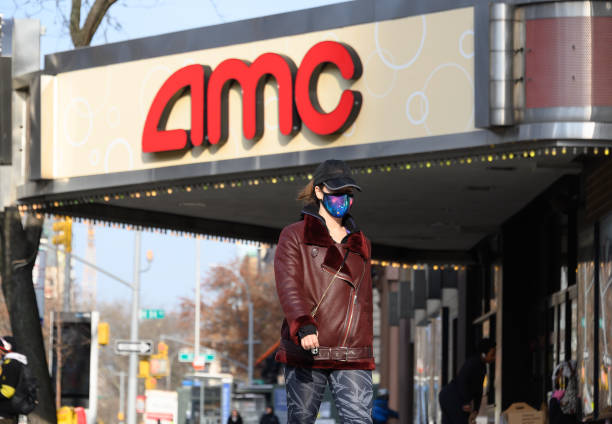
297,98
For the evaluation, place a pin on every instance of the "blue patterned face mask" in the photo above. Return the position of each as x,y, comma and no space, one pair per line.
337,204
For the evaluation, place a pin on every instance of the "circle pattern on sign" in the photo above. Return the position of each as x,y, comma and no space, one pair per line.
405,65
468,77
425,113
69,113
365,77
350,131
116,142
94,157
461,39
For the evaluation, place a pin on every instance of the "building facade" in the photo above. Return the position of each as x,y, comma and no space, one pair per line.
480,132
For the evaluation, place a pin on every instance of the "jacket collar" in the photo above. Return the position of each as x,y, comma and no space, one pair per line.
17,356
316,232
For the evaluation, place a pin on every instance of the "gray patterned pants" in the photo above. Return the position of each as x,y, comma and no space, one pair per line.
351,389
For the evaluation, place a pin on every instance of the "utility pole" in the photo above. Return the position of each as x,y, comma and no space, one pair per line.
250,341
133,368
63,237
250,337
196,336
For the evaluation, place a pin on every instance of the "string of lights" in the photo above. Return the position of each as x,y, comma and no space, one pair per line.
46,208
526,154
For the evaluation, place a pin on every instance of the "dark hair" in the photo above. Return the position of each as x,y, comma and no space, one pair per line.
307,194
485,345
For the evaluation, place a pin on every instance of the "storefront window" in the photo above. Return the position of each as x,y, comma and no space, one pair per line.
605,319
428,372
586,323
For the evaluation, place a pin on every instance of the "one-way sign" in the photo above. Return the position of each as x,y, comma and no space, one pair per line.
141,347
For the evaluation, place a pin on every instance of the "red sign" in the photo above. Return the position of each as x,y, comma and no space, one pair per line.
297,98
199,364
140,404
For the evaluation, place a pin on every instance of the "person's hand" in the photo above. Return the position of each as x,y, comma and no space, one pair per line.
310,341
473,416
467,408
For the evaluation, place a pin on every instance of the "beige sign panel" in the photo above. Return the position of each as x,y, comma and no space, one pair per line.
418,81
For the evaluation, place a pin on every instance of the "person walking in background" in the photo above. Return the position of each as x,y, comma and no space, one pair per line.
381,412
460,399
11,368
234,417
324,284
269,417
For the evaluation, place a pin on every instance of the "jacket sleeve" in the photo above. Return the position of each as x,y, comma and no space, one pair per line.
477,377
9,377
288,272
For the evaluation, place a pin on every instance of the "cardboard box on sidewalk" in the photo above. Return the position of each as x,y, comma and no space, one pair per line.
521,413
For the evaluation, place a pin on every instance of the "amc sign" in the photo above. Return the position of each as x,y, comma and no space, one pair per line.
297,98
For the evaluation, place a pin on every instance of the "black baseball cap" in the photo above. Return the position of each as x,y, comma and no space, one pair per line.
335,174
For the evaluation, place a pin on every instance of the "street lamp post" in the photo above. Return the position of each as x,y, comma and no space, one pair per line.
250,341
132,377
250,337
198,301
133,365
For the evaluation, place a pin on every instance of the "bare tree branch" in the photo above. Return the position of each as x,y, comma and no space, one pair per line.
82,36
75,21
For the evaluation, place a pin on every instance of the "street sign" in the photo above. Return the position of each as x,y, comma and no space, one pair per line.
141,347
199,364
161,407
186,355
152,314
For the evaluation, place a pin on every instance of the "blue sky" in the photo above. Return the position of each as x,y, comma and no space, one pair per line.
172,274
142,18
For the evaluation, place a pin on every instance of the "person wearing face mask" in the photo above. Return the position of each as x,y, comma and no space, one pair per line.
324,284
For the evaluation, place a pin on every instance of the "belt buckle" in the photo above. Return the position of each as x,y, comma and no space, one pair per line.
346,349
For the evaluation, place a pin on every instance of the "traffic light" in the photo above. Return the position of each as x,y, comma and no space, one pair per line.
103,333
162,349
64,233
150,383
143,369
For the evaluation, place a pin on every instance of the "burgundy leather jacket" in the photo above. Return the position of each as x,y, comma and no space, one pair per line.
311,269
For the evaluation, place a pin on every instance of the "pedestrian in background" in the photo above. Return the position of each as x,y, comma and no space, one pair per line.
12,367
460,399
324,284
381,411
234,417
269,417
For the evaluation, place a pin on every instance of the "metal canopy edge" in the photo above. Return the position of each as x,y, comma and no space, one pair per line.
232,230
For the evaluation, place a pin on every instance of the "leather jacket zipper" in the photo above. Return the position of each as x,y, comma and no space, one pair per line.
350,321
316,308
